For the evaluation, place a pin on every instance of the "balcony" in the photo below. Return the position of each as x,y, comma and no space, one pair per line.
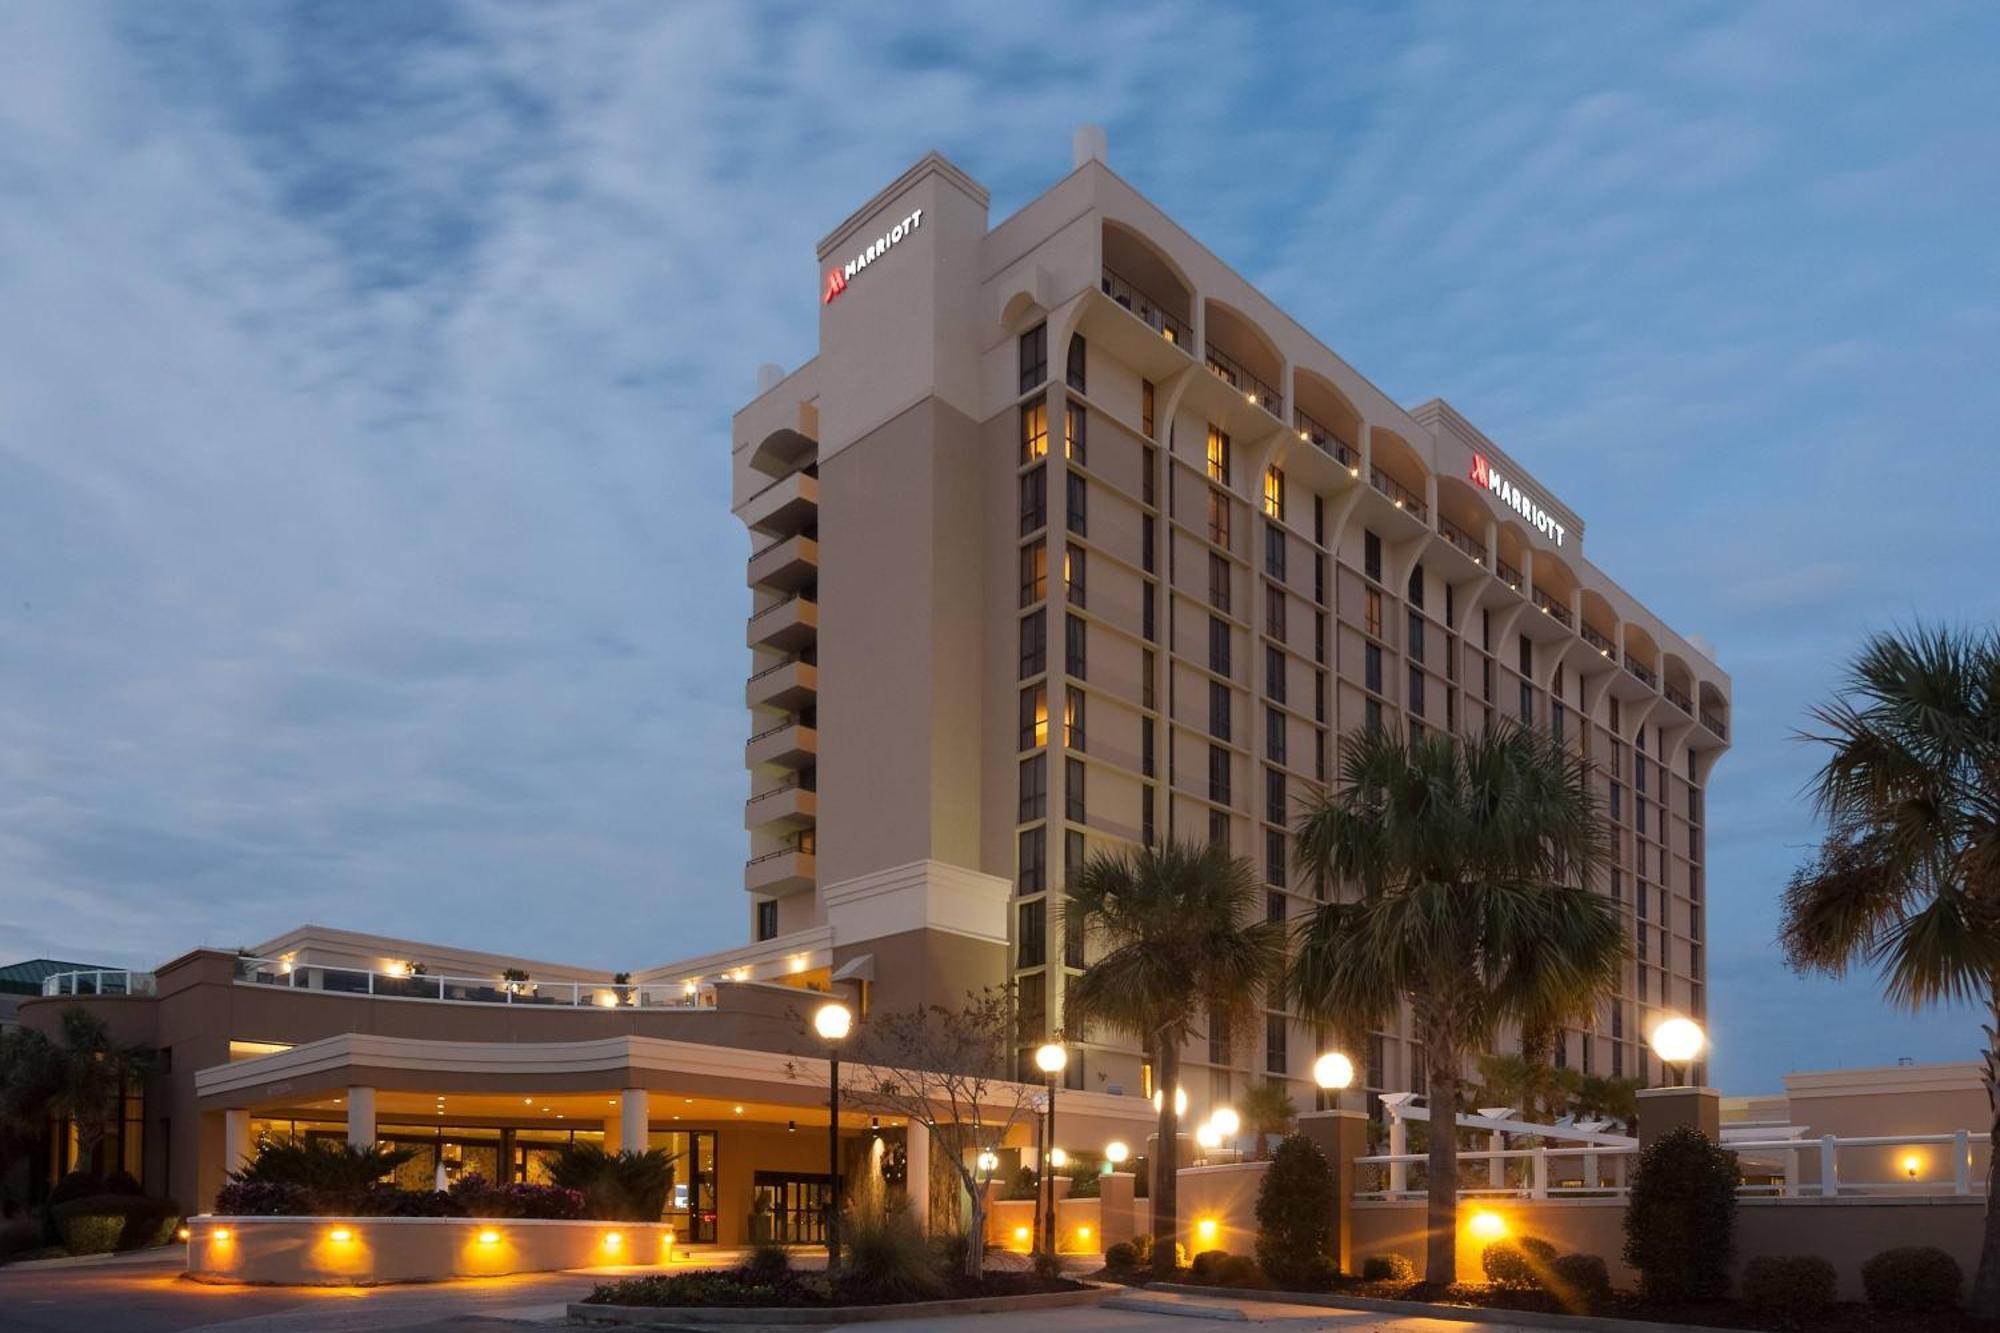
787,870
1642,673
785,565
1555,609
789,806
1508,574
1474,551
790,744
790,684
1149,311
784,627
787,506
1601,642
92,982
515,990
1326,441
1679,699
1400,495
1254,390
1713,721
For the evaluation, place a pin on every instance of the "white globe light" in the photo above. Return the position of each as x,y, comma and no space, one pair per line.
1208,1136
988,1161
1115,1152
1226,1121
1058,1158
1050,1058
1678,1040
832,1020
1180,1101
1333,1070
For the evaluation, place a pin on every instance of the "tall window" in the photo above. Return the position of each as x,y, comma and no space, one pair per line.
1034,716
1218,581
1218,775
1146,409
1148,829
1371,555
1034,357
1034,788
767,919
1274,613
1218,456
1218,646
1034,645
1274,492
1034,499
1415,646
1274,1044
1147,560
1030,934
1034,430
1079,503
1371,615
1218,710
1073,573
1147,689
1371,668
1274,873
1274,552
1274,796
1218,518
1417,690
1074,375
1034,574
1274,735
1073,797
1033,876
1416,588
1146,758
1074,442
1274,674
1148,483
1073,710
1074,647
1147,628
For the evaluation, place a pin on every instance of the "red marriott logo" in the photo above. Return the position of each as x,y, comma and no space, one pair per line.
1480,472
839,276
1517,499
836,283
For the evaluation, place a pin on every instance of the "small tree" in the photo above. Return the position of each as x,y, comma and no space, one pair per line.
1270,1112
625,1186
1680,1223
1295,1215
81,1075
944,1069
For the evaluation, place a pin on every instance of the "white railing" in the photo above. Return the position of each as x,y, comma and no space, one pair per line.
99,982
426,986
1605,1170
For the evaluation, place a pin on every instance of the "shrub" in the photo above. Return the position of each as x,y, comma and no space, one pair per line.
1142,1245
1205,1265
123,1182
954,1251
1295,1212
1524,1264
1792,1286
73,1185
388,1201
768,1262
148,1222
101,1223
623,1186
88,1232
478,1197
256,1198
888,1259
1121,1257
324,1166
1238,1270
1680,1224
18,1235
1388,1268
1581,1281
1046,1266
1920,1278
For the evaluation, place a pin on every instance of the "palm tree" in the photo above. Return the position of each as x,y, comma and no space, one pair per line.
1469,853
82,1078
1907,879
1182,940
1269,1111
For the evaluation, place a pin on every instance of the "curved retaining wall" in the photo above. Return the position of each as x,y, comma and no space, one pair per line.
355,1251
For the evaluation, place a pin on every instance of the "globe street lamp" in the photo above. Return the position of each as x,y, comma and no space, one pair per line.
1332,1072
1050,1059
1227,1124
832,1021
1677,1042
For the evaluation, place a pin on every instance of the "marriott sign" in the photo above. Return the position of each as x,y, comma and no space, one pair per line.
1516,499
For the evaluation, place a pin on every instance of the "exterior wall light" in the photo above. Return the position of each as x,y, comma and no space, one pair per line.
612,1240
1487,1225
1205,1229
989,1162
340,1235
182,1233
220,1234
1180,1101
489,1237
1912,1164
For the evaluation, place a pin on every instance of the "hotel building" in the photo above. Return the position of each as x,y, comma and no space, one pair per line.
1066,539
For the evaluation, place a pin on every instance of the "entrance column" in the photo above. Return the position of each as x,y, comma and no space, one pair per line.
361,1117
235,1139
917,1171
632,1120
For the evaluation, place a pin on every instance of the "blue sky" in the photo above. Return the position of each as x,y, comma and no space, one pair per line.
365,372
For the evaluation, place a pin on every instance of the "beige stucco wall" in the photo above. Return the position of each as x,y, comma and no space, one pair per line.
291,1250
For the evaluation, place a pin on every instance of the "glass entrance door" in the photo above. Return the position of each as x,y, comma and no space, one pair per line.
789,1207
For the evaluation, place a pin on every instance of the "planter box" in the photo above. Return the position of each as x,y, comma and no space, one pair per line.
363,1251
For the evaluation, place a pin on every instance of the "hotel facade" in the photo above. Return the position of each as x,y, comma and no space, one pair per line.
1067,539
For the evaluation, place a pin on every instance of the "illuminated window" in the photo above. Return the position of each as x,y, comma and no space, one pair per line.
1074,442
1372,613
1146,407
1034,574
1073,711
1218,456
1034,430
1274,492
1073,573
1034,716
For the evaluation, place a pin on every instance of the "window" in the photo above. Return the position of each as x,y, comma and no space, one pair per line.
1274,868
1417,690
1146,408
1146,754
1274,735
1034,574
1274,796
1371,668
1218,518
1218,646
1034,717
1371,716
1218,775
1147,484
1218,1040
1274,1044
1274,492
1034,430
1274,674
1031,1015
1034,789
1274,902
1218,581
1218,456
1031,934
1073,573
1218,710
1074,647
1074,375
1274,613
767,919
1033,874
1416,588
1073,718
1075,437
1148,628
1079,503
1146,557
1371,618
1218,827
1147,829
1073,805
1034,499
1378,1061
1319,696
1415,646
1274,551
1371,555
1034,645
1034,357
1147,689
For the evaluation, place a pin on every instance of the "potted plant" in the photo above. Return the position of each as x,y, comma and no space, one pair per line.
621,986
515,981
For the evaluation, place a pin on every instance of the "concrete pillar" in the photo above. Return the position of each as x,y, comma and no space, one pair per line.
1665,1109
361,1117
235,1139
917,1171
632,1121
1116,1216
1342,1136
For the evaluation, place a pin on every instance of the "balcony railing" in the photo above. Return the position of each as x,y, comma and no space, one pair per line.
780,605
1462,539
277,972
1554,608
786,725
1147,309
1326,440
1713,721
772,670
1508,574
95,982
1643,672
1679,700
1236,376
1601,642
782,789
1402,495
772,856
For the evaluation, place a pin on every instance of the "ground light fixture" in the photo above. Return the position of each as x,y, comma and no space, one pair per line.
1487,1225
183,1233
1051,1058
832,1020
1678,1041
489,1237
219,1234
340,1235
612,1240
1205,1229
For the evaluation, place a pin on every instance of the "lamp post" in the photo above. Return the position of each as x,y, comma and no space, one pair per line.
832,1021
1050,1059
1677,1042
1332,1072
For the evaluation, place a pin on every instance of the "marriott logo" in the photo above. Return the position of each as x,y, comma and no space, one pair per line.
840,275
1516,499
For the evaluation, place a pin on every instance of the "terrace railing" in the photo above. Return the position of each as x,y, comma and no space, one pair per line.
1554,608
1641,672
1508,574
1679,699
1323,437
1713,721
1134,299
1462,539
277,972
1404,497
1237,376
97,982
1601,642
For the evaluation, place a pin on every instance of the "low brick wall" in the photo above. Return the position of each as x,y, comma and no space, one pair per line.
360,1251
